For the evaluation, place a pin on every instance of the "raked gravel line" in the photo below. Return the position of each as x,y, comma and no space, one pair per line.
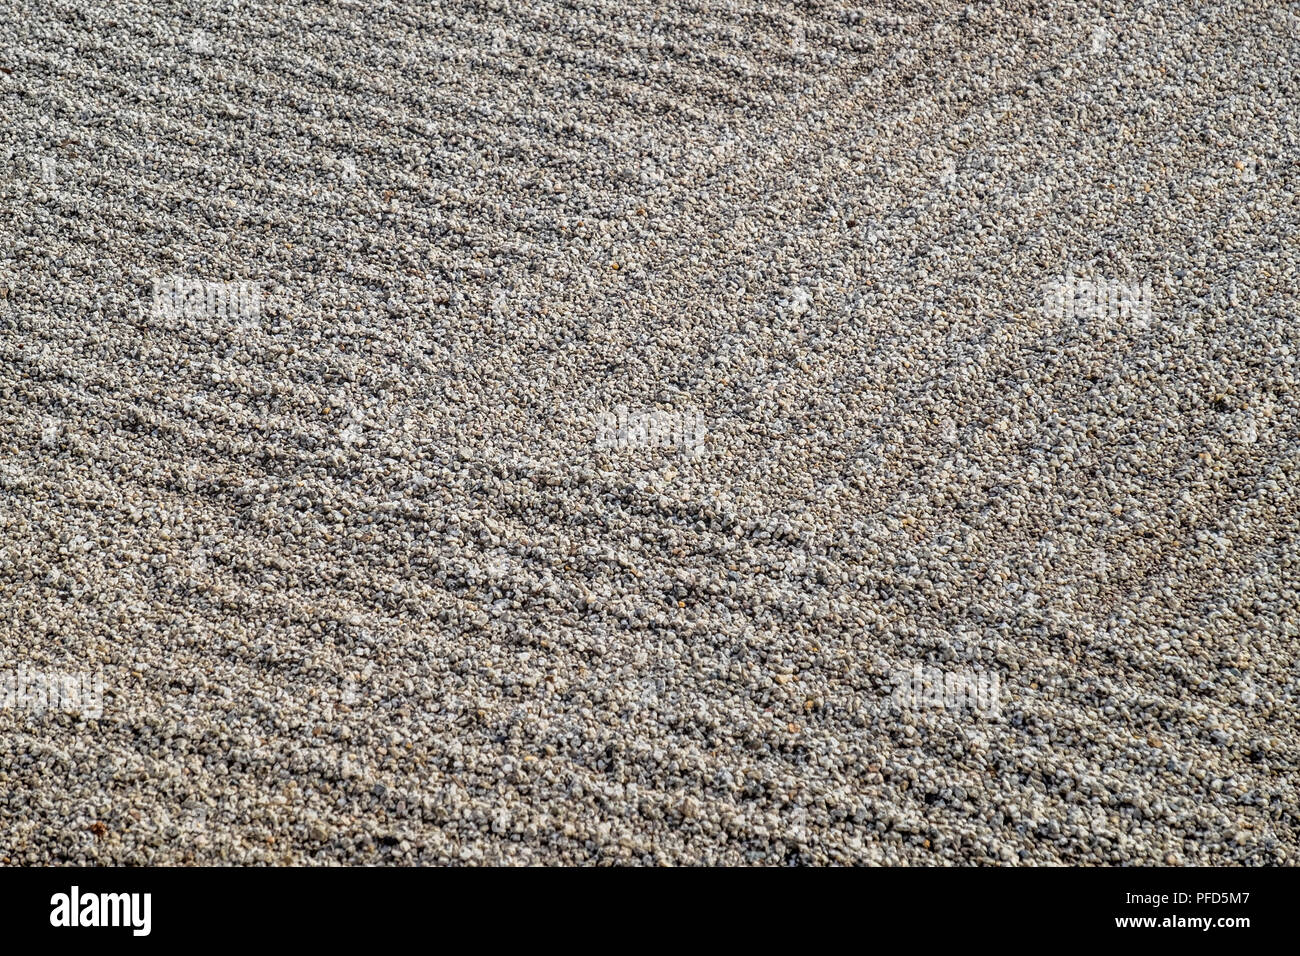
359,579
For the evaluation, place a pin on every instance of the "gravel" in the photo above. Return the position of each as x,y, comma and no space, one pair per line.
636,433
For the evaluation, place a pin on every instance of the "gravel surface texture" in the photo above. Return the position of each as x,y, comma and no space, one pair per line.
631,432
